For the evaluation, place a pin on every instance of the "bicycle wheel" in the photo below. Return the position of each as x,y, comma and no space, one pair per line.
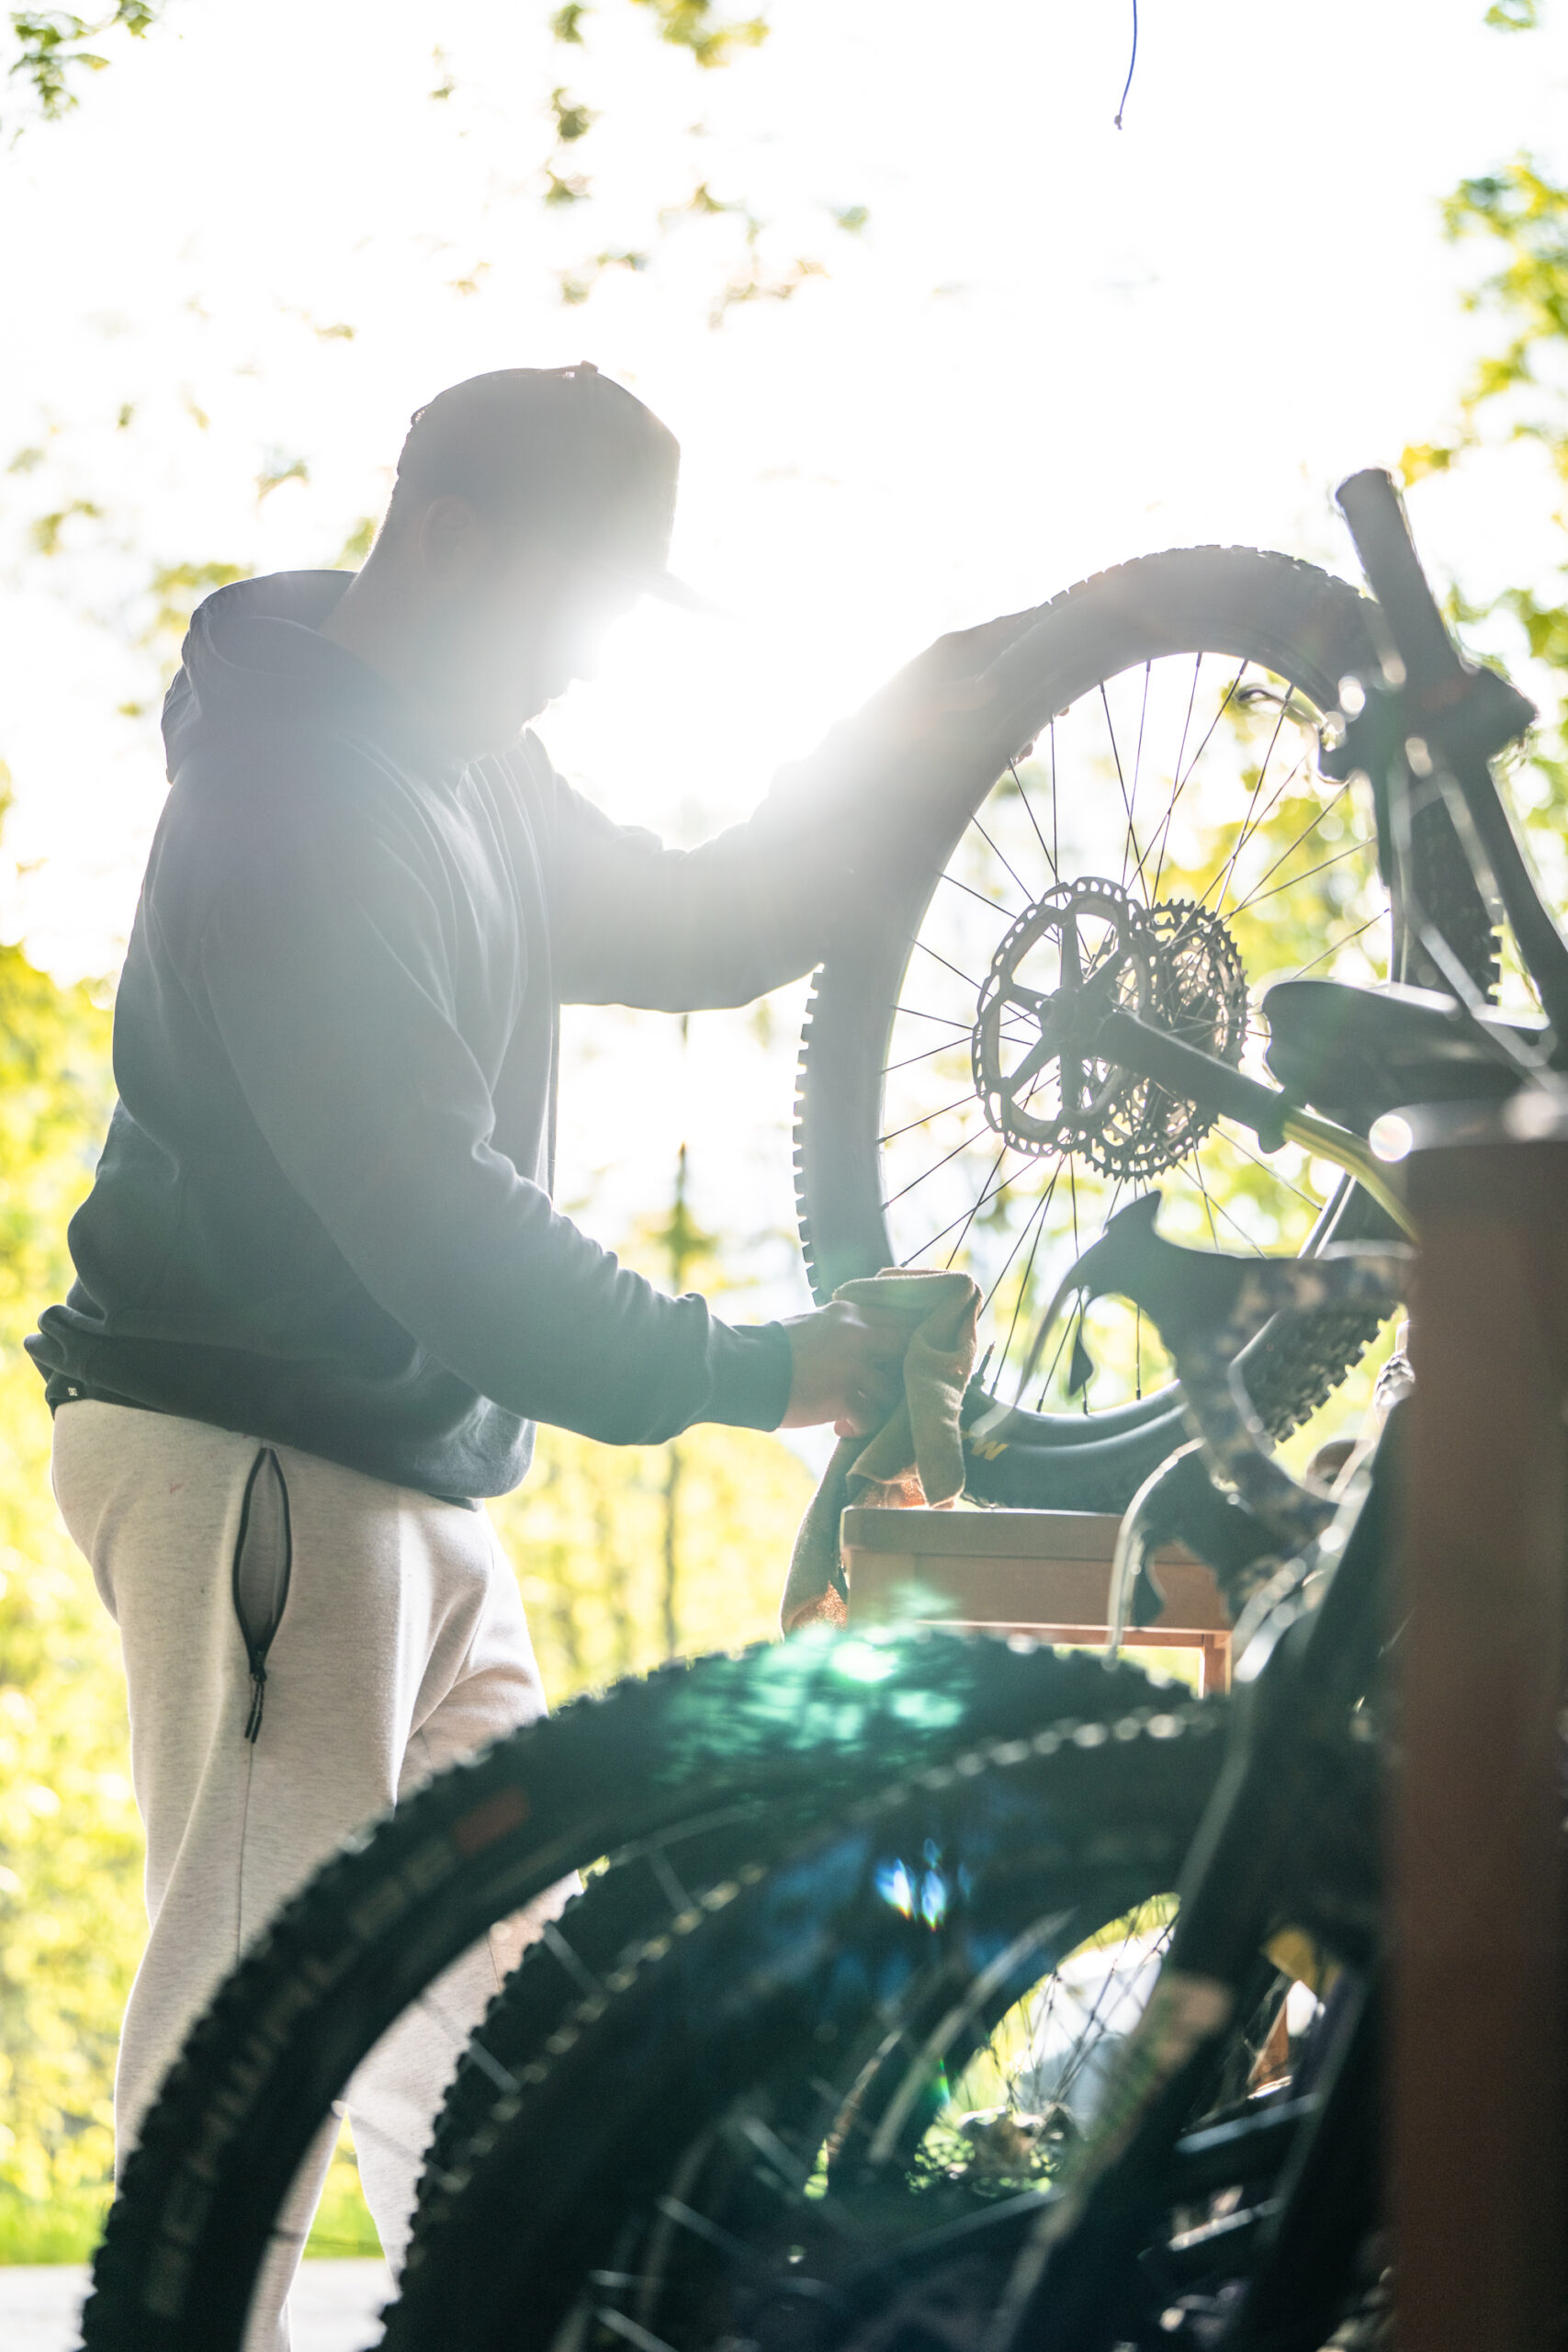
826,2023
764,1737
1168,836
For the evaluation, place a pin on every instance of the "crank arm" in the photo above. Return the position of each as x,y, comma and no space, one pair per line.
1193,1076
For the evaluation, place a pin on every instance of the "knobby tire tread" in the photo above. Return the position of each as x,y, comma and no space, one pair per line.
775,1728
611,2082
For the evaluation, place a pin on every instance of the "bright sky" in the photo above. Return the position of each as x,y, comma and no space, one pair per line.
1052,347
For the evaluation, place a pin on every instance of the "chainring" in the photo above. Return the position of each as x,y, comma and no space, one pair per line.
1083,949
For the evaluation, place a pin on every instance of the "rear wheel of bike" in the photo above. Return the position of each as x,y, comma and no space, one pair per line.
1166,833
749,1746
894,2033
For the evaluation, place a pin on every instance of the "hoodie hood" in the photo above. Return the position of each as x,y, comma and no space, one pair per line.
254,656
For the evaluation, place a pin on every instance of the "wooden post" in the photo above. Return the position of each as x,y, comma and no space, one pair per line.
1479,2184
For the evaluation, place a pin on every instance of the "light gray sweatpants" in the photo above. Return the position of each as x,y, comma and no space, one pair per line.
389,1638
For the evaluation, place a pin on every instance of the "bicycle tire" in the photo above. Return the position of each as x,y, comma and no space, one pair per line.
614,1917
1302,624
771,1729
1083,1818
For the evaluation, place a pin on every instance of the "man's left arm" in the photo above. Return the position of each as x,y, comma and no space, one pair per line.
678,930
633,922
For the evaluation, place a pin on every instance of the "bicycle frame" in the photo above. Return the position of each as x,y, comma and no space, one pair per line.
1308,1676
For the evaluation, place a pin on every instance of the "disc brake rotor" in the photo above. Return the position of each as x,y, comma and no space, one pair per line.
1084,949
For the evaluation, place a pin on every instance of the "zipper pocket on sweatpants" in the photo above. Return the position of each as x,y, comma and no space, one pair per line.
263,1558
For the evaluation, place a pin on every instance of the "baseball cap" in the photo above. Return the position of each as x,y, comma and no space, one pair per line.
567,450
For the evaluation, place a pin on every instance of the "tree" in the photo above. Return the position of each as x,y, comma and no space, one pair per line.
54,48
1517,398
70,1844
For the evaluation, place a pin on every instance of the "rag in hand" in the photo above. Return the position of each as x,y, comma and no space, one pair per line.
918,1454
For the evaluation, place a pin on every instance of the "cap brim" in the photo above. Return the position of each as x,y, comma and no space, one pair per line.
653,580
670,591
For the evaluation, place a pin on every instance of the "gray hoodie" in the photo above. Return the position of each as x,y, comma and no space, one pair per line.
323,1214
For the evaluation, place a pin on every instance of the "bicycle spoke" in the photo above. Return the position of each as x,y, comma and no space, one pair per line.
1333,949
1086,2037
1338,858
951,967
1067,1323
1289,851
1285,1182
1177,777
1138,754
964,1103
1056,831
631,2330
1256,816
963,1217
1218,1207
930,1172
1122,784
995,852
1028,812
1024,1284
582,1975
992,906
926,1053
1042,1203
1231,692
912,1012
984,1200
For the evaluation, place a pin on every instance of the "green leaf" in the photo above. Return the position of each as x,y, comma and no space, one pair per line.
574,119
694,25
51,47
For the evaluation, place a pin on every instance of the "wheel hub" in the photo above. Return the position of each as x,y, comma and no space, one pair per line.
1084,949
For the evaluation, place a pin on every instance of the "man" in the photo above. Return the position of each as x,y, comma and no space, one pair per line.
322,1293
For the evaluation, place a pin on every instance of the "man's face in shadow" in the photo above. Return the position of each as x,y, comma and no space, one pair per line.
510,621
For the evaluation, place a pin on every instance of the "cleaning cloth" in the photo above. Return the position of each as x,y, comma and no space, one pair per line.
918,1454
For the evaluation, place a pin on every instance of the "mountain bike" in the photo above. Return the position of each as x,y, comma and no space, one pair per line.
700,1776
998,2061
1094,1975
1145,832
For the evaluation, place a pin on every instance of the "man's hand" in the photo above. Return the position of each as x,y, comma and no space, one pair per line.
860,758
848,1367
948,676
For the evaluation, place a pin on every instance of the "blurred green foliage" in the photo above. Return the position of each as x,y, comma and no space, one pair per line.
621,1557
70,1842
587,1533
1517,396
52,47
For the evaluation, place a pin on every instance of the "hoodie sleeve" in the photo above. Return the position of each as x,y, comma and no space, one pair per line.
679,930
326,972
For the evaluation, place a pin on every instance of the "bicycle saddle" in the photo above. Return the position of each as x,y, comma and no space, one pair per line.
1353,1053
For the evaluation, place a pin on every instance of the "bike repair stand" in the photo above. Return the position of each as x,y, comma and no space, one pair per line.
1479,2083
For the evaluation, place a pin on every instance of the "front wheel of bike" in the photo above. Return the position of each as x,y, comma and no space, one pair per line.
746,1749
892,2039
